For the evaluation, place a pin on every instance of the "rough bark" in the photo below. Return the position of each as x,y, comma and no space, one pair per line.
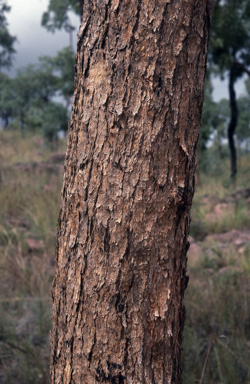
118,312
233,122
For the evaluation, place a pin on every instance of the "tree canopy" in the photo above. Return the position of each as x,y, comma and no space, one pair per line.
230,37
230,54
29,97
53,76
57,15
6,39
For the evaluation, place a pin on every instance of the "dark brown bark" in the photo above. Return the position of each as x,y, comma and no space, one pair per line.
118,312
233,122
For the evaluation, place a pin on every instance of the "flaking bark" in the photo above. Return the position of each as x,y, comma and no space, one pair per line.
118,312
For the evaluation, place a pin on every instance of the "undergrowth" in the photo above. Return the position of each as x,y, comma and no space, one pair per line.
217,332
30,198
216,342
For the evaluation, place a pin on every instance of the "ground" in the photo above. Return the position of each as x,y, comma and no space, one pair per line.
216,342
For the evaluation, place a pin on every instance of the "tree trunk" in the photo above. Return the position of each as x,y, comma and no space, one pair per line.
233,122
81,7
118,312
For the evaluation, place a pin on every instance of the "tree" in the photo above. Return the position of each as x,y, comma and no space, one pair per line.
6,40
54,119
57,15
230,42
212,128
28,98
6,103
63,68
118,312
33,87
243,129
209,116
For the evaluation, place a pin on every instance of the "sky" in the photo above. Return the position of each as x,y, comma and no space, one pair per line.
33,40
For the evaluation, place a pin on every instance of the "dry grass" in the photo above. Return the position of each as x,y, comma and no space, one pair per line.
217,333
30,199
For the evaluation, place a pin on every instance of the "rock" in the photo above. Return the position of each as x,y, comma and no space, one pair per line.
48,187
235,237
38,167
12,184
242,194
228,271
208,271
191,239
38,340
18,223
243,238
209,201
57,157
38,141
42,166
241,250
34,245
194,255
220,211
223,238
25,325
23,167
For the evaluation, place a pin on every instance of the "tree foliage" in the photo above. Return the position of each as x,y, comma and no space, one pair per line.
6,105
243,130
57,15
55,119
230,53
63,67
230,36
6,39
28,99
209,116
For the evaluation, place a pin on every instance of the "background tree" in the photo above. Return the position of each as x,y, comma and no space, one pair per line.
57,15
28,99
243,129
63,68
6,102
120,278
6,40
32,87
210,124
229,46
209,114
54,119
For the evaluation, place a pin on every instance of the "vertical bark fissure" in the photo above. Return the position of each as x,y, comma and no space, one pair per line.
135,26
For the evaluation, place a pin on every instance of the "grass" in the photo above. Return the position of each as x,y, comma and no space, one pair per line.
217,333
216,346
211,191
30,199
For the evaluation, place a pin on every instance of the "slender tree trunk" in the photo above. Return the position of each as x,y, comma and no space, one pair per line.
118,312
81,7
22,128
233,123
71,40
